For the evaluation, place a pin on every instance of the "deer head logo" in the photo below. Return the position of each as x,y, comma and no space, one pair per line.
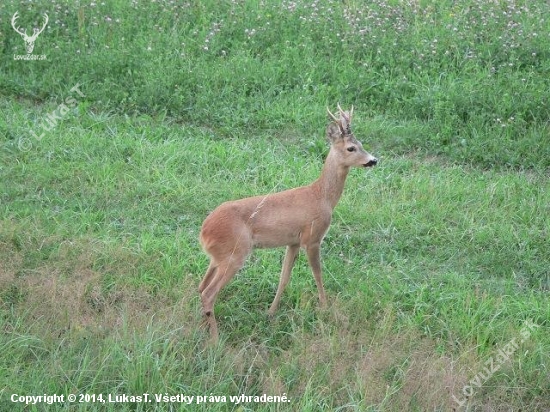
29,40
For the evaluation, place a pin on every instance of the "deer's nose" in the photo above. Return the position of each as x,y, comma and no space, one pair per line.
371,162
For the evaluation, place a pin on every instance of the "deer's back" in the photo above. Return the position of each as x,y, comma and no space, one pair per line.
295,216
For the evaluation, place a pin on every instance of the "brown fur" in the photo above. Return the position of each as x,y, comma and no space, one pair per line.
296,218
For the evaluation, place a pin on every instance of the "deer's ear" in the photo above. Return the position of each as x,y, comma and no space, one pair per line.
334,132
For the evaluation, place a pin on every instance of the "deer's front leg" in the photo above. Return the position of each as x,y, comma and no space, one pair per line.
288,263
314,259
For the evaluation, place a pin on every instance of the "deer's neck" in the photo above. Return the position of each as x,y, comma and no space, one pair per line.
332,180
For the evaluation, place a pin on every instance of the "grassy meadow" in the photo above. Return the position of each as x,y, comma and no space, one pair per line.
144,116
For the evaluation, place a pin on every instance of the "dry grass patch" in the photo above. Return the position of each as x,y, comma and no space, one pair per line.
349,365
63,293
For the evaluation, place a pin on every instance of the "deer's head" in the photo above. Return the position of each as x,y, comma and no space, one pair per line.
29,40
350,150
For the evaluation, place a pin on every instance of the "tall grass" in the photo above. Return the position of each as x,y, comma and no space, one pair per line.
466,79
435,261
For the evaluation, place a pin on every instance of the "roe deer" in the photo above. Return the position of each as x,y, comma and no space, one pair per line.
293,218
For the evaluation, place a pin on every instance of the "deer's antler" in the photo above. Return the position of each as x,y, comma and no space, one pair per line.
345,119
332,116
15,17
344,114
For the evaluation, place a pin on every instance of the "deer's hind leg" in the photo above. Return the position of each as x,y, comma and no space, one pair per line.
208,275
224,273
223,267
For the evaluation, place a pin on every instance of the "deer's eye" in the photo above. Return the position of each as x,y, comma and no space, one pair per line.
351,149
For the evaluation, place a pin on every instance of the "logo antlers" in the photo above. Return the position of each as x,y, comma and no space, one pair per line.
29,40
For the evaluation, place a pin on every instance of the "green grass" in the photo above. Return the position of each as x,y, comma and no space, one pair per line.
435,259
